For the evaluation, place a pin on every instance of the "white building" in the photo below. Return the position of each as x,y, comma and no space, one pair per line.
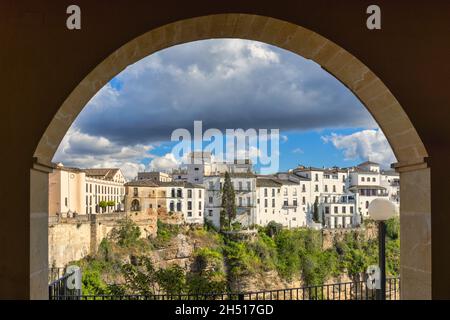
342,195
155,176
75,191
245,189
321,184
367,182
279,200
104,185
187,198
339,211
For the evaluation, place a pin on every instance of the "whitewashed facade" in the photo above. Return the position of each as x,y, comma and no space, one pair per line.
74,191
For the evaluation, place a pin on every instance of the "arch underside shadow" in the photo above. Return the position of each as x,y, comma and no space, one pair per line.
375,96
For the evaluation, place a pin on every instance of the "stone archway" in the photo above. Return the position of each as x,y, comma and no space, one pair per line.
380,102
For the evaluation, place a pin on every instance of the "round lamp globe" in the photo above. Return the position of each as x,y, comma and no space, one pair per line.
382,209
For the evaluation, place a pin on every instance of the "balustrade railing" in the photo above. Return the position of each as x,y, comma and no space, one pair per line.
355,290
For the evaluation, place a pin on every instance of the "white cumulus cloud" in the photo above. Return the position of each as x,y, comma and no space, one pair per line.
164,163
364,145
82,150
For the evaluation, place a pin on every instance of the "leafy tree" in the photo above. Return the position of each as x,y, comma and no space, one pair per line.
103,204
206,282
393,228
171,280
273,228
228,211
140,278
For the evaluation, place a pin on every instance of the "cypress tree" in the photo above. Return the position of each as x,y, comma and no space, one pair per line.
228,212
316,212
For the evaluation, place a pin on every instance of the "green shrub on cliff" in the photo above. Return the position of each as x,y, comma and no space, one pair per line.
126,234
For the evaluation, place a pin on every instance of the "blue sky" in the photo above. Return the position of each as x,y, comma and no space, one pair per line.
227,84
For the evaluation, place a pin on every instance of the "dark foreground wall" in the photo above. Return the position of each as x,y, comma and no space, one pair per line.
41,62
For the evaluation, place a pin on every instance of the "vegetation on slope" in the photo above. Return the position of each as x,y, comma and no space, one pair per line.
293,254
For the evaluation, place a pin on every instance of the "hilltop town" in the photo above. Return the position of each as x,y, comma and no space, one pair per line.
301,197
175,213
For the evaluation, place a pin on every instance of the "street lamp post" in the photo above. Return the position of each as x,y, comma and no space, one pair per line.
381,210
381,293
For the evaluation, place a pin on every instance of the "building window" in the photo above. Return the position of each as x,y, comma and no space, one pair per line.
179,193
326,188
303,188
265,192
265,203
172,193
211,185
367,204
189,214
316,177
373,179
189,193
249,202
295,202
351,209
240,185
344,209
249,185
65,201
335,209
327,210
316,188
240,201
273,192
189,205
199,205
210,213
303,200
135,205
273,203
200,194
285,203
210,199
179,206
334,188
363,179
199,213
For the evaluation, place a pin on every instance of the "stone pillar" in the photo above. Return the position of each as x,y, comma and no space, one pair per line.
39,230
415,230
